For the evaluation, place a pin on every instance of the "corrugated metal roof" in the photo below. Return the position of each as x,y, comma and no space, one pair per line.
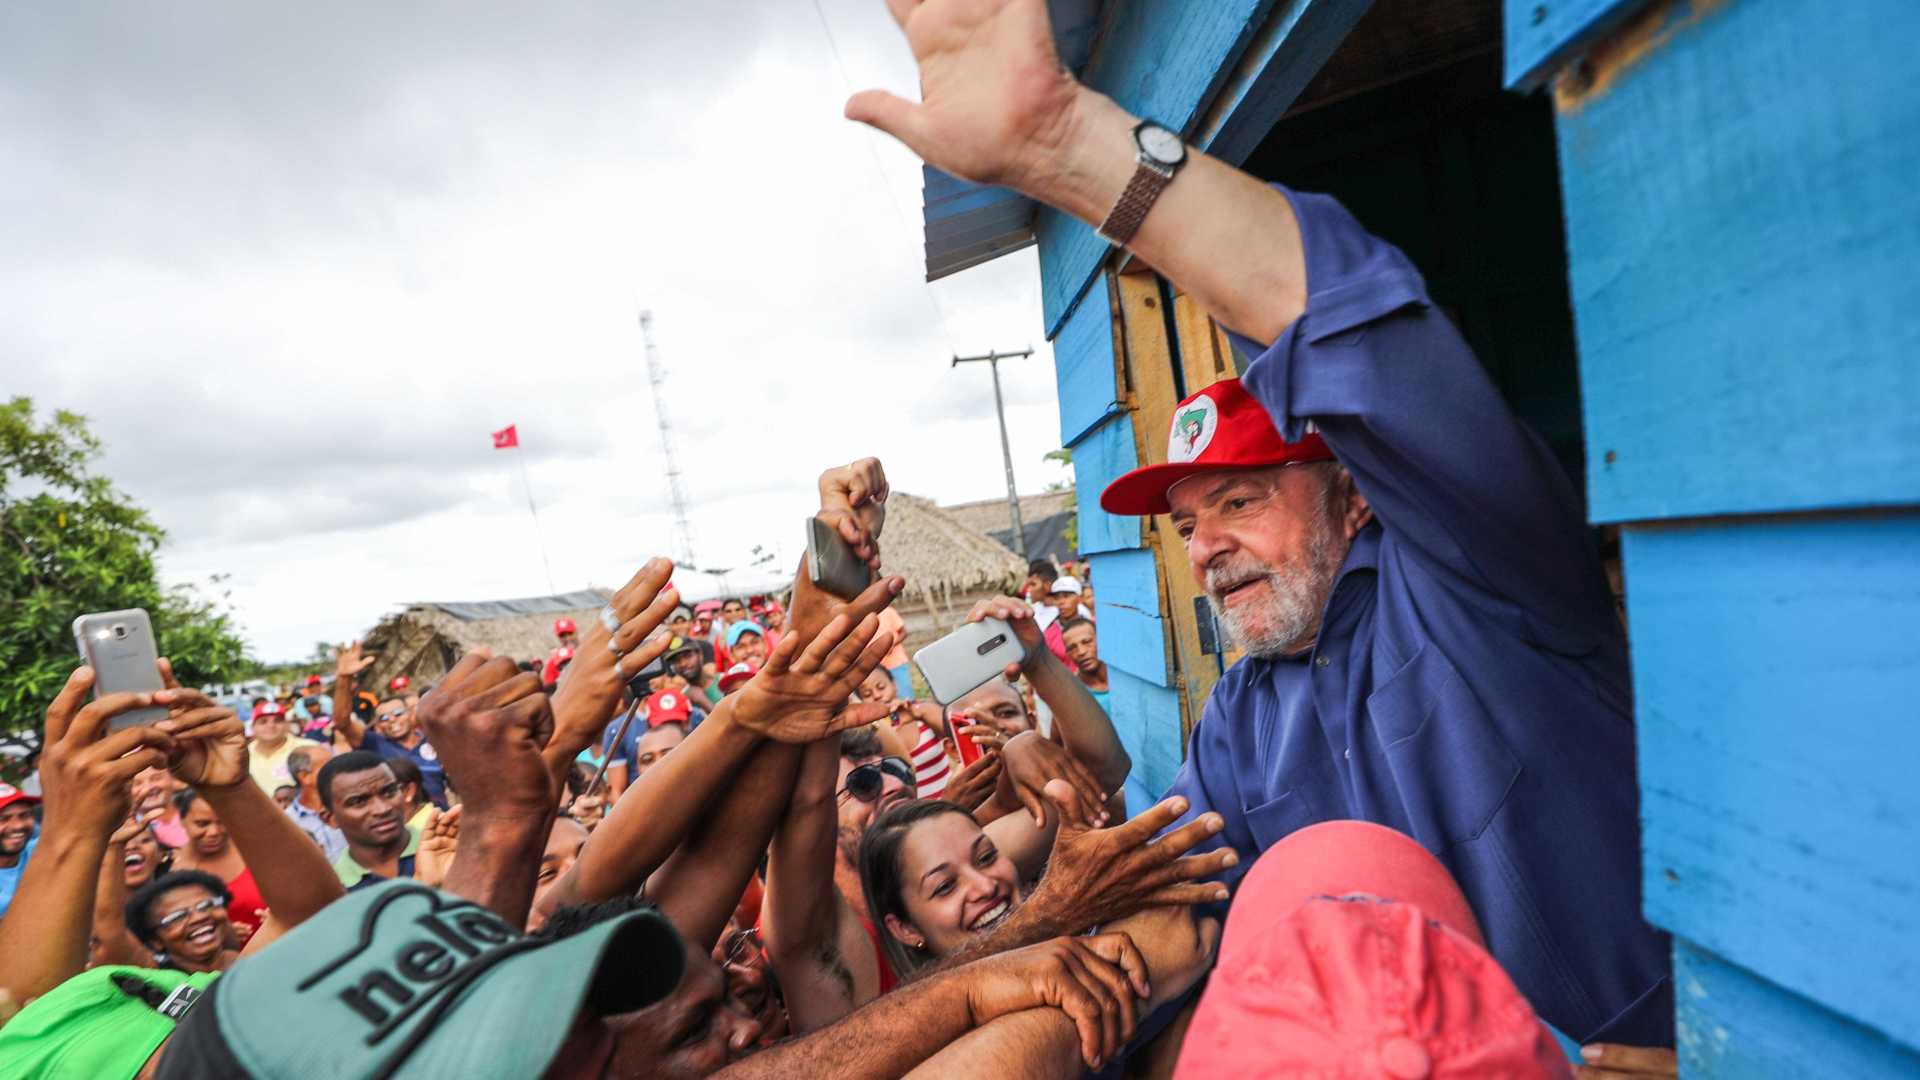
968,224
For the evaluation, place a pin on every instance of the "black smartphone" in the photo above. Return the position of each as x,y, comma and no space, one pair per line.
831,563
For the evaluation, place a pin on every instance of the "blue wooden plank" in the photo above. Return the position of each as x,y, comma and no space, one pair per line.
1147,719
1084,368
1136,641
1126,577
1543,34
1734,1025
1289,49
1100,456
1774,666
1742,256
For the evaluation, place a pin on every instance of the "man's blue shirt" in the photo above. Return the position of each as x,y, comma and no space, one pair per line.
1469,686
10,875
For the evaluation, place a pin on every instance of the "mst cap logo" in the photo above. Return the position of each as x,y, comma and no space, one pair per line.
1193,428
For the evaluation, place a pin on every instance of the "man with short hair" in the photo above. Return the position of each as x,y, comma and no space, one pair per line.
304,766
747,643
1064,598
271,743
680,625
362,798
1083,651
688,658
395,732
19,833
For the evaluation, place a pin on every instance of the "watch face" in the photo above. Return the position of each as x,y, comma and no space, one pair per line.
1161,145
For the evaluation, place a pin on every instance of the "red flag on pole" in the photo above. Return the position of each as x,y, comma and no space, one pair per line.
506,438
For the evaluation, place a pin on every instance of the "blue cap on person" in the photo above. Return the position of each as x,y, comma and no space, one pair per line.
741,629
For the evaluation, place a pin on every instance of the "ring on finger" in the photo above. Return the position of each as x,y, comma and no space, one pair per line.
617,670
610,619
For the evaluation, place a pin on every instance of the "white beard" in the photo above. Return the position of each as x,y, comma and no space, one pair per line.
1287,618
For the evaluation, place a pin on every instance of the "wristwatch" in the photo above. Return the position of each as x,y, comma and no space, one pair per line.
1161,153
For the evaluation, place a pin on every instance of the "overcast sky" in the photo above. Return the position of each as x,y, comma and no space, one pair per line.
295,262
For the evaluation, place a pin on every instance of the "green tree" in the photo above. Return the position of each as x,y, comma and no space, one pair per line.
70,544
1064,458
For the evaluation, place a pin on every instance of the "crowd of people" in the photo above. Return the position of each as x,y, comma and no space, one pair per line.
730,839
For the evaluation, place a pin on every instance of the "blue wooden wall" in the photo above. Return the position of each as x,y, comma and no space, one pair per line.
1743,231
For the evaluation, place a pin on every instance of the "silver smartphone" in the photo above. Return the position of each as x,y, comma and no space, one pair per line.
968,658
831,563
118,646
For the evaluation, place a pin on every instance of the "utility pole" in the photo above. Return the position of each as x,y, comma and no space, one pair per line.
676,491
1006,449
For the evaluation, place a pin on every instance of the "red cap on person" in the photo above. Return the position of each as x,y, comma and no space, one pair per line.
564,626
10,795
668,705
736,675
313,680
1221,427
1350,951
269,708
398,682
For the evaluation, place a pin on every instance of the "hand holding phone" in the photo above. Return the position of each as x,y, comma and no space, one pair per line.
832,564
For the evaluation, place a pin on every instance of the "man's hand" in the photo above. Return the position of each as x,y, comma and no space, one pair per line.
439,842
1019,615
210,743
1097,876
803,698
995,101
972,786
853,500
1607,1061
1094,980
349,661
488,721
589,692
1178,946
1033,761
84,771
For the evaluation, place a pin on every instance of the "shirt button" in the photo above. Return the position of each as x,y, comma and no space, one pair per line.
1320,661
1404,1059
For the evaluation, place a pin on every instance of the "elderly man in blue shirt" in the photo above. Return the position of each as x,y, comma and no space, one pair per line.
1432,644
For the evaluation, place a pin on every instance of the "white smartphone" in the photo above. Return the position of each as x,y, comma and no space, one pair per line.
968,658
118,646
831,563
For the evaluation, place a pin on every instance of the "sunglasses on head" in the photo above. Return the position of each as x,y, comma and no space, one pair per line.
864,782
176,917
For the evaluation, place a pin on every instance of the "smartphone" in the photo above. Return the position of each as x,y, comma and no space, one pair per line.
831,563
969,750
118,646
967,658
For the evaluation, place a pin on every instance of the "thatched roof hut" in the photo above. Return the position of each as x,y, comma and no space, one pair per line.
948,565
424,640
1044,518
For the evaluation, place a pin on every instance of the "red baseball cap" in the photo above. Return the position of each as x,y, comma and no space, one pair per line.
1221,427
270,708
736,675
564,626
1350,951
313,680
10,795
398,682
668,705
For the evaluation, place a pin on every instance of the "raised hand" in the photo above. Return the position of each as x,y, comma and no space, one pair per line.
84,769
800,696
1019,615
1034,761
1097,875
995,101
210,743
853,499
349,661
488,721
972,786
439,842
1094,980
589,693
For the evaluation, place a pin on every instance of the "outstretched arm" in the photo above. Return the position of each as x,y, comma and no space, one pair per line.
84,772
702,883
589,697
1078,719
806,920
348,663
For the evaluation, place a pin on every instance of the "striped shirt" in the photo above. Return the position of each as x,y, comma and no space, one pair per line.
930,770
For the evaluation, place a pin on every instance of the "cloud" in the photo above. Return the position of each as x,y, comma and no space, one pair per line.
296,263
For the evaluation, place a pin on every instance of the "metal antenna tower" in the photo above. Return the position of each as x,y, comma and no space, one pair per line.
676,491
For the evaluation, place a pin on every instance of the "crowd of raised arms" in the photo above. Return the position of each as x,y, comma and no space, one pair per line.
1403,842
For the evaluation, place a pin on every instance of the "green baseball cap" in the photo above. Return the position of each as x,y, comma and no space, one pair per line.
88,1026
400,980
